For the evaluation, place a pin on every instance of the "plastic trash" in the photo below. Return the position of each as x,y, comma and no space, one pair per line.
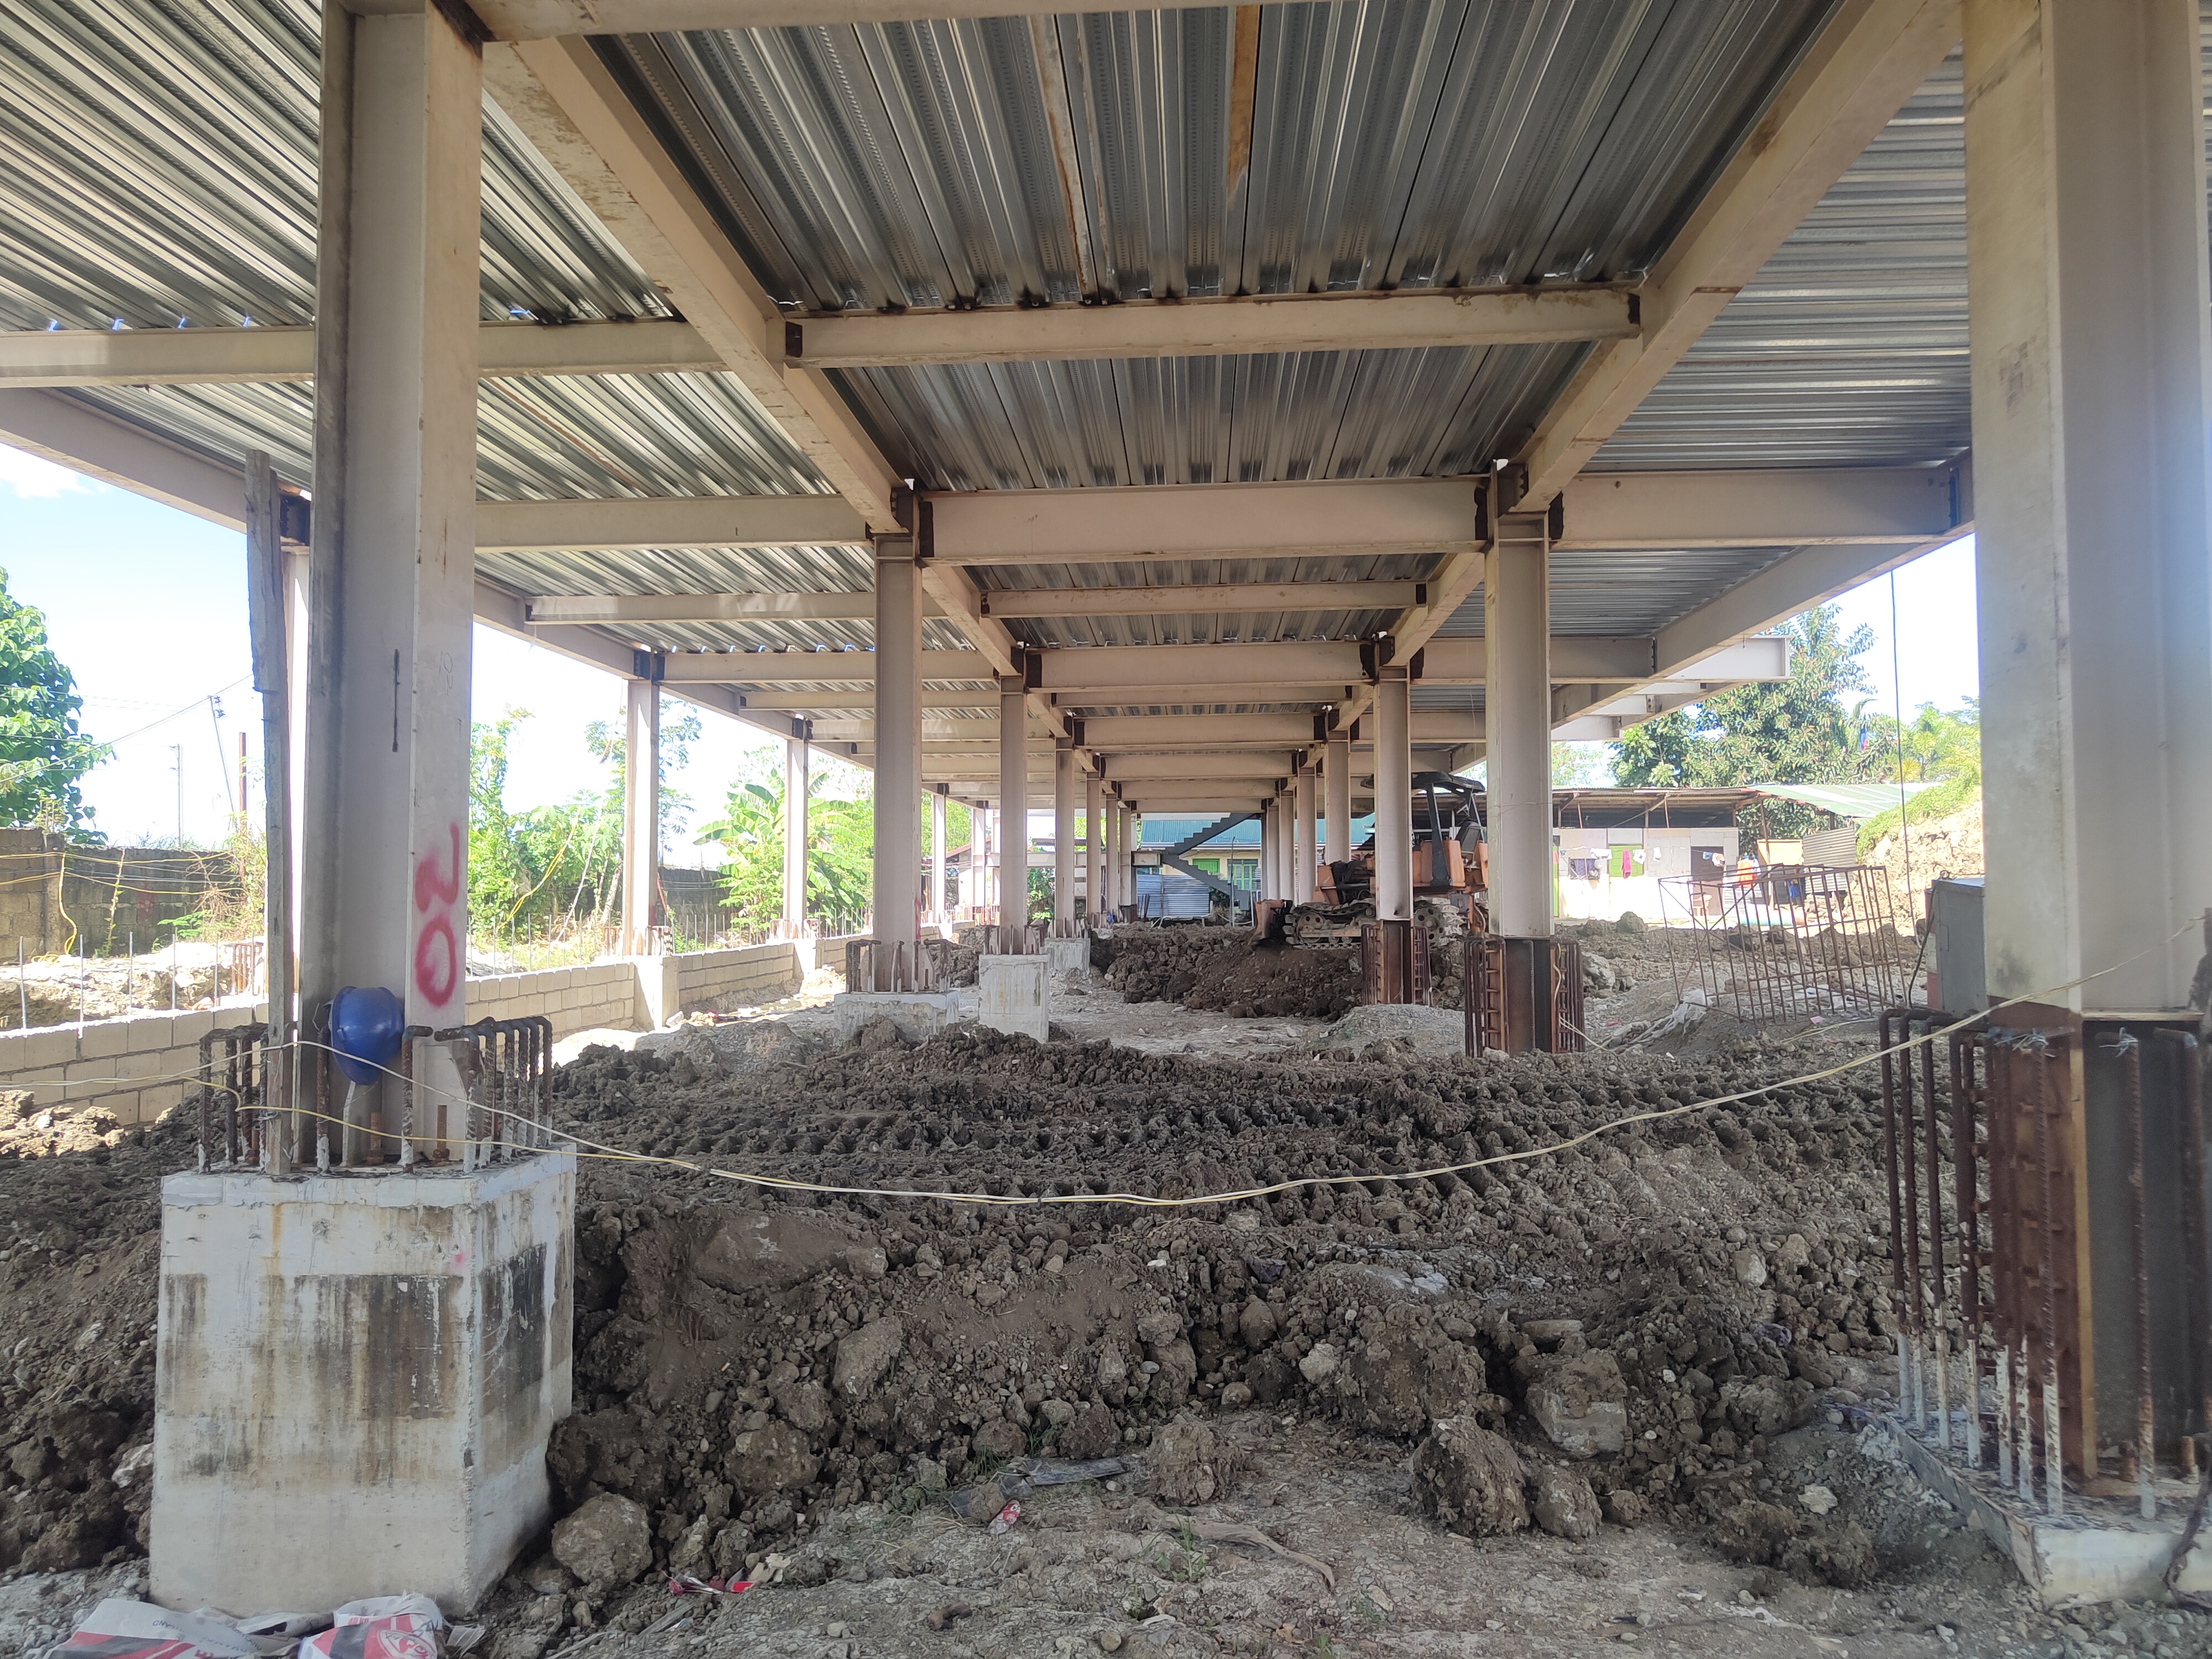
382,1627
1004,1520
119,1628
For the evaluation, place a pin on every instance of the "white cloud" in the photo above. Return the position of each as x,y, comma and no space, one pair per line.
30,476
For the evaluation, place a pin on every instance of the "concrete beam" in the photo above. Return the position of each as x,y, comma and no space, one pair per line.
1870,59
1134,522
538,19
801,703
667,521
559,609
64,358
1263,597
810,667
1779,591
1215,668
1156,733
1400,320
1798,507
1224,766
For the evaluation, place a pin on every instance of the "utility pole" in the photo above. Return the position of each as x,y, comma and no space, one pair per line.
214,714
177,763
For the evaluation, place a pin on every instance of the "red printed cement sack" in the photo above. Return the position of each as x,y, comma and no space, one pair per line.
382,1627
119,1628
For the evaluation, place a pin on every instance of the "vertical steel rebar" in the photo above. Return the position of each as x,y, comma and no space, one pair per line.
1908,1121
2196,1245
1967,1203
1939,1354
2054,1456
1885,1040
2146,1457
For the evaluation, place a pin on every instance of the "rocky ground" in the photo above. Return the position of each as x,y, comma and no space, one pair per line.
1627,1392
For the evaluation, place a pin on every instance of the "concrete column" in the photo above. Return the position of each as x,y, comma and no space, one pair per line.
1013,801
898,738
384,832
1112,856
2088,297
1270,828
641,815
935,908
1517,627
795,782
1308,862
1063,830
1394,795
1337,774
1133,836
1094,844
972,866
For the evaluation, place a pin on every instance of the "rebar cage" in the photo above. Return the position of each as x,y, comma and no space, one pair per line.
280,1107
1789,943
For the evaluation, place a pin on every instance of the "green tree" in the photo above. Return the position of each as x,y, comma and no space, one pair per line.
1792,731
1939,748
43,755
840,844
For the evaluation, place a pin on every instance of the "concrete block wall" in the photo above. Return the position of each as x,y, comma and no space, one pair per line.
139,1066
588,997
717,982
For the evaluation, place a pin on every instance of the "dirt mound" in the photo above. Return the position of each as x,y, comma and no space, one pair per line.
1224,970
1657,1308
1651,1309
78,1262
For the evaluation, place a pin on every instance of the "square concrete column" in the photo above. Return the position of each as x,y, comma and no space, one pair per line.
1336,774
1094,844
1307,862
1013,801
640,815
935,908
795,785
2088,297
384,831
1394,795
1516,612
977,860
1270,829
1110,855
1063,830
1133,837
898,739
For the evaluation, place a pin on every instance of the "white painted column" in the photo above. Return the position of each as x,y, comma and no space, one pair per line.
385,831
1133,837
1337,774
935,908
1516,610
978,857
1271,865
795,785
1063,830
898,738
1394,786
1094,845
1112,856
1013,802
2087,296
1308,863
641,885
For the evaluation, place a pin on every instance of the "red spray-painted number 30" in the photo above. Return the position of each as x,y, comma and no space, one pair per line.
437,949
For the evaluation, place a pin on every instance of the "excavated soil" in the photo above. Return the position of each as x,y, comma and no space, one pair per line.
1645,1318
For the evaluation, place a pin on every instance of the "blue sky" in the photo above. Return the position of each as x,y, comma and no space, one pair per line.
147,605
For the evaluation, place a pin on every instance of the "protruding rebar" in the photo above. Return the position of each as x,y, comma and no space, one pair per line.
2146,1448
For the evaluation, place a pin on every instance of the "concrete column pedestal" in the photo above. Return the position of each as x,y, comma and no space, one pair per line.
355,1379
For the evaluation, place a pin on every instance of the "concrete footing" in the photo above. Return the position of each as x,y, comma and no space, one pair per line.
356,1376
1068,960
1012,994
2101,1551
919,1015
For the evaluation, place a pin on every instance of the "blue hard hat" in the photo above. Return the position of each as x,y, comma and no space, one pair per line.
365,1023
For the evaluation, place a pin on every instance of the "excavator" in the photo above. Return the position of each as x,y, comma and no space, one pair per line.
1451,848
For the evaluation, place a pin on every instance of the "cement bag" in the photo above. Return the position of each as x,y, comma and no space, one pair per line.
119,1628
382,1627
